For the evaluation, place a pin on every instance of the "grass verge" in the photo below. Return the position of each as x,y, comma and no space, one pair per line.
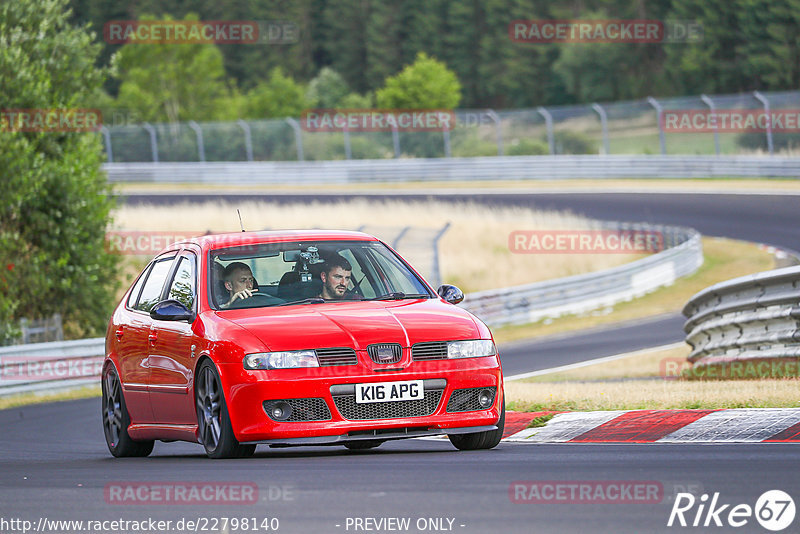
24,399
642,381
724,259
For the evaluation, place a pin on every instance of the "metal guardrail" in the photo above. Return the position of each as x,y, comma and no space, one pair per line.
582,293
57,365
455,169
748,318
50,366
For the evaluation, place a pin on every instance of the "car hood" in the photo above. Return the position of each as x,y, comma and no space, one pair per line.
356,324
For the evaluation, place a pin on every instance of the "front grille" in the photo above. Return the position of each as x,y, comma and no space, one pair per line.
385,352
302,409
347,406
466,400
336,356
433,350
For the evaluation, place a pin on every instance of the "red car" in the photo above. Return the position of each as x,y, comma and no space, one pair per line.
294,338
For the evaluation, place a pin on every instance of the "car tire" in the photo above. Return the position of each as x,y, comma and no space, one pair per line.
116,419
363,444
213,421
480,440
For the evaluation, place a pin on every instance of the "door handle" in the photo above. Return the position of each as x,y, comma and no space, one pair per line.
152,337
119,333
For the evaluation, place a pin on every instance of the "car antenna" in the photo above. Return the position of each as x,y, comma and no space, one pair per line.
240,219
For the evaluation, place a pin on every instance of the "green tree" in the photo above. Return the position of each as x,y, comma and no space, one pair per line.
280,96
169,83
56,203
327,89
425,84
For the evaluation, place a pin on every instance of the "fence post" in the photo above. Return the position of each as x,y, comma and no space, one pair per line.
395,140
548,120
761,98
298,137
710,103
201,149
496,118
438,275
348,150
248,140
107,138
400,236
153,140
603,125
660,115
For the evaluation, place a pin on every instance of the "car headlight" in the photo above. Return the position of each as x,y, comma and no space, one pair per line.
289,359
475,348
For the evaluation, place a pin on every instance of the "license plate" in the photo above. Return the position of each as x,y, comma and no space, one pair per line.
389,391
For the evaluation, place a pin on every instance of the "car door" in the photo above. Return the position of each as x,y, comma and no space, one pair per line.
173,353
132,336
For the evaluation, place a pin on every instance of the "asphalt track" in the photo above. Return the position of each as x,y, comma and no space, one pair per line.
55,466
54,463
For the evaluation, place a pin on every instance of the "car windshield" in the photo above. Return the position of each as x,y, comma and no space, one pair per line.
309,272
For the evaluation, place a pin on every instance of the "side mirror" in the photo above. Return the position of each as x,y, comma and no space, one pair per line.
171,310
451,294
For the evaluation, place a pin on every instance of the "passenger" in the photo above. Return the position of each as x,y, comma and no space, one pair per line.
335,278
239,282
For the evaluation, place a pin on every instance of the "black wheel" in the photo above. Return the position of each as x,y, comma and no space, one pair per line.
116,420
213,421
363,444
480,440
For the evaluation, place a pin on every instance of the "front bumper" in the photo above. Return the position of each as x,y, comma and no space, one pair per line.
246,391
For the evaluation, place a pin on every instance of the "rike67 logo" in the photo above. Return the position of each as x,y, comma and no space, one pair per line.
774,510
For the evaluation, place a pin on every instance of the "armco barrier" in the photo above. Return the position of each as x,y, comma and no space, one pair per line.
50,366
56,365
753,317
455,169
591,291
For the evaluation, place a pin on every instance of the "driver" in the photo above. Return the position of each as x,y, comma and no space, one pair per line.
238,281
335,278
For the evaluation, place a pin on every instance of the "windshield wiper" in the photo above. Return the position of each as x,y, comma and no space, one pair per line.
312,300
398,295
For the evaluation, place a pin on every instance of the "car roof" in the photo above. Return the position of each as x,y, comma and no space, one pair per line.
216,241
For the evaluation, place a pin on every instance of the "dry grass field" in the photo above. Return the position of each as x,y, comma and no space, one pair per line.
474,252
643,380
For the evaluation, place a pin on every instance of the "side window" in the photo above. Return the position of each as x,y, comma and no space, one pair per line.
151,292
182,288
137,288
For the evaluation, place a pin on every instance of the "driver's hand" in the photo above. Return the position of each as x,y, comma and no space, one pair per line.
243,294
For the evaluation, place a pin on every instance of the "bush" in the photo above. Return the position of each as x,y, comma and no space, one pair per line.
570,142
55,205
758,141
527,147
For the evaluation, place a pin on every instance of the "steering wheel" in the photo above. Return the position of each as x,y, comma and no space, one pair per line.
255,300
